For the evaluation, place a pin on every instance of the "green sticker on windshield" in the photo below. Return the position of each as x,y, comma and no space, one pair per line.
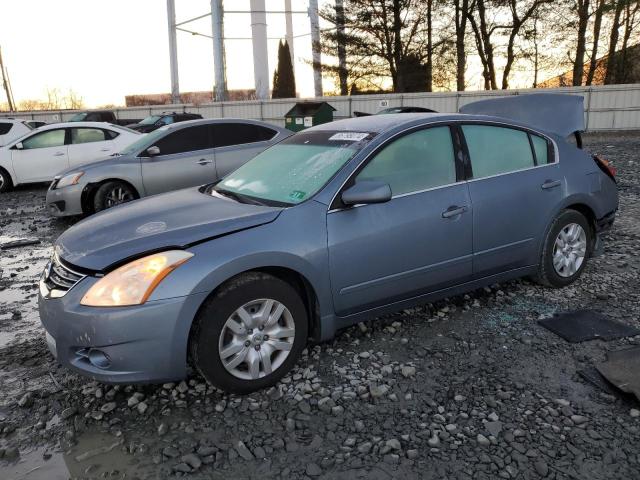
297,195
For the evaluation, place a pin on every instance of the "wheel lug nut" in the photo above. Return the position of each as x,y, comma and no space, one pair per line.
266,337
261,328
247,343
257,347
250,331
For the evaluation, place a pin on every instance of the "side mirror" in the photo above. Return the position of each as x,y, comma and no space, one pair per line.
18,146
367,192
153,151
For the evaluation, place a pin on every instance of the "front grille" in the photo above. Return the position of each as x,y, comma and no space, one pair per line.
59,278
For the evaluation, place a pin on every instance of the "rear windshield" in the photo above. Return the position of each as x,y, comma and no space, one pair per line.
295,169
78,117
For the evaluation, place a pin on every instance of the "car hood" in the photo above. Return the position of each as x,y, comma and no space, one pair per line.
109,161
172,220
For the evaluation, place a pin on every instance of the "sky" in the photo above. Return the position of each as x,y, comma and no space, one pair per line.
104,50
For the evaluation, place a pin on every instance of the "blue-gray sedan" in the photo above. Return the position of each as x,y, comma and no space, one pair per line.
336,224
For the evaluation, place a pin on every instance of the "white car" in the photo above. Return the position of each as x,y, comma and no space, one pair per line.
40,154
12,128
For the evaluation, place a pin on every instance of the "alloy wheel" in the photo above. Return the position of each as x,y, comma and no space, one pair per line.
256,339
569,250
117,196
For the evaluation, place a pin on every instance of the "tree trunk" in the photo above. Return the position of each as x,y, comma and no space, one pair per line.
343,74
429,66
583,21
613,44
461,27
490,69
622,64
597,25
397,46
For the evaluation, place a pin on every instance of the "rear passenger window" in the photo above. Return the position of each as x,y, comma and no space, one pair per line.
541,147
184,140
87,135
414,162
496,150
227,134
5,128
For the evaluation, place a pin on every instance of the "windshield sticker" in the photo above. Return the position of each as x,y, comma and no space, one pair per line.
297,195
349,136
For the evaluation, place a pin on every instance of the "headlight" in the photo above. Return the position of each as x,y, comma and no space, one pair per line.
68,180
133,283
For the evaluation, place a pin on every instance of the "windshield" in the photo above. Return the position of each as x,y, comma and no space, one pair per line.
78,117
144,142
150,120
296,168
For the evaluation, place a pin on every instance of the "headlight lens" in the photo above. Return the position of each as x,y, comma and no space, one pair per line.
71,179
133,283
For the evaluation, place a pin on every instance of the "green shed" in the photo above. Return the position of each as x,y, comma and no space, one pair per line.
307,114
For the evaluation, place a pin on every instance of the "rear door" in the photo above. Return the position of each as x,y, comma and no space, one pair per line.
89,144
42,156
237,143
515,187
186,160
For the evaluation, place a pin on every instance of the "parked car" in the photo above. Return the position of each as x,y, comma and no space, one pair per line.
154,122
35,123
337,224
180,155
101,116
12,128
389,110
39,155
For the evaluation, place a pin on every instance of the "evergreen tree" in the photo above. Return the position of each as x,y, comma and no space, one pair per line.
284,82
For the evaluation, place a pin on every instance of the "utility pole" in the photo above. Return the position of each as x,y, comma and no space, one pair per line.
260,52
315,47
219,68
173,51
5,83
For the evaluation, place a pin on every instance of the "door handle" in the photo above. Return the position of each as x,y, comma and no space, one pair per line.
105,149
58,154
550,184
454,211
204,161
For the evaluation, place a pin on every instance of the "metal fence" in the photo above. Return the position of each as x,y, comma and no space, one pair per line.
609,107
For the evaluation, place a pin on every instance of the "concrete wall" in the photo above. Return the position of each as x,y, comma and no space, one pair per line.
608,107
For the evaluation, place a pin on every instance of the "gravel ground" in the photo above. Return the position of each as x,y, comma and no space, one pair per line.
465,388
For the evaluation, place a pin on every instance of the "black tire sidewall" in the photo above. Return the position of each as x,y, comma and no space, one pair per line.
215,312
99,198
6,186
561,221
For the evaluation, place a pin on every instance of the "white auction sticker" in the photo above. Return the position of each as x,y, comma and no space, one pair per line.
349,136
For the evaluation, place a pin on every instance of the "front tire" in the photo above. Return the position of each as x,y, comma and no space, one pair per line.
112,193
250,333
5,181
566,250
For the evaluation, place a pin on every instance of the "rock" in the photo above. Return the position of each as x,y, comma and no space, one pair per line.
394,444
482,440
108,407
635,413
182,387
408,371
313,470
562,402
541,467
243,451
68,413
378,391
493,416
170,452
192,460
26,400
162,429
434,441
11,453
459,398
494,428
412,454
182,468
579,419
142,407
365,447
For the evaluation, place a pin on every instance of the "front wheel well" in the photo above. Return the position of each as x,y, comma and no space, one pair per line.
89,192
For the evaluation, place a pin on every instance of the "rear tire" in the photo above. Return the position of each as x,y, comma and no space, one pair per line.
249,334
5,181
113,193
566,250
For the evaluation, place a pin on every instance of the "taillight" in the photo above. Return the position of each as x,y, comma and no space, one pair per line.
606,167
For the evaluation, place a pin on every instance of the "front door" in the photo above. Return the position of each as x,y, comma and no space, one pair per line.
515,189
186,160
419,241
42,156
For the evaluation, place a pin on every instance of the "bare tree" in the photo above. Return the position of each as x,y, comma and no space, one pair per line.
582,10
597,26
461,9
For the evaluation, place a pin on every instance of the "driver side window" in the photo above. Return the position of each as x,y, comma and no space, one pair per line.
414,162
50,138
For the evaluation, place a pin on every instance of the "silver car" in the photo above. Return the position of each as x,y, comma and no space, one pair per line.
176,156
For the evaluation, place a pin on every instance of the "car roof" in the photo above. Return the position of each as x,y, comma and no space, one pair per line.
392,121
79,124
14,120
207,121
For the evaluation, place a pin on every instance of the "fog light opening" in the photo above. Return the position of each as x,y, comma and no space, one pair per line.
99,359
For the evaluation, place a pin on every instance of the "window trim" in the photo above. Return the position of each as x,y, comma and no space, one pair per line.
213,137
466,160
105,132
67,138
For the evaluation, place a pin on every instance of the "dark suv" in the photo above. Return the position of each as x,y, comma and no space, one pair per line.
153,122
